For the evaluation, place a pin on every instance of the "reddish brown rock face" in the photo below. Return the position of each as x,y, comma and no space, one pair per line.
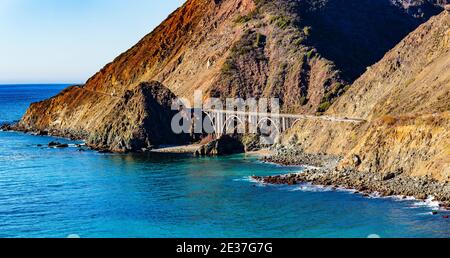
288,49
140,120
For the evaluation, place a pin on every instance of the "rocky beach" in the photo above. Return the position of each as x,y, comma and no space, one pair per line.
322,170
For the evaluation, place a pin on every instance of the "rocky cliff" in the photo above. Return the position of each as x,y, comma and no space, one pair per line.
305,52
140,120
412,78
406,99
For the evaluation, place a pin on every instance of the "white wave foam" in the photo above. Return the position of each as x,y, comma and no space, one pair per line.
346,190
425,214
248,179
244,179
307,187
430,203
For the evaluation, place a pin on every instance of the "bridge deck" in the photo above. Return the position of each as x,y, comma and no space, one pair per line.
291,116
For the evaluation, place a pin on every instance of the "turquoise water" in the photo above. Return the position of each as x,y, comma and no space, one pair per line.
58,192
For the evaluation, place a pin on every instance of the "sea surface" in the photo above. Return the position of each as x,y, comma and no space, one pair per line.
54,193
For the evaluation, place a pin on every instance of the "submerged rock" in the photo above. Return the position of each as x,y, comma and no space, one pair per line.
53,144
58,145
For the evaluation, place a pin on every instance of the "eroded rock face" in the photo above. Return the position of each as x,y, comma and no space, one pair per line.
420,146
135,121
405,100
140,120
226,145
412,78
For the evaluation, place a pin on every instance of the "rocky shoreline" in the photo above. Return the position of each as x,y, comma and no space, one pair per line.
322,170
365,183
67,134
295,156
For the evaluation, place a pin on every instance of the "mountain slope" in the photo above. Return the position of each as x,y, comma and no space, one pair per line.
305,52
413,78
405,98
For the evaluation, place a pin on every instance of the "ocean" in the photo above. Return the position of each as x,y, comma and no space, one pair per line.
54,193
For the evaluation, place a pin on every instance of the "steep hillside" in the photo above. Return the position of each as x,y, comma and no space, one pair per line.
413,78
411,145
306,52
405,98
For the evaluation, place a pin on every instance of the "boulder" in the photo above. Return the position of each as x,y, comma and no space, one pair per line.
356,160
226,145
389,176
251,142
5,127
42,133
54,144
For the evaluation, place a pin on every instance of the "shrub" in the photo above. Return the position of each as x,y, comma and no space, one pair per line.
242,19
298,42
307,31
282,22
324,107
303,101
310,53
228,67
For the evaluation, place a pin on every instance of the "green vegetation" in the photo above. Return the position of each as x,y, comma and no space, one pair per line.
307,31
324,107
242,19
228,67
338,90
303,101
310,53
281,22
251,43
297,42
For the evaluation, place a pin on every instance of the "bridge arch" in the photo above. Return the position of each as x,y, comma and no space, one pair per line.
272,121
228,120
295,122
211,119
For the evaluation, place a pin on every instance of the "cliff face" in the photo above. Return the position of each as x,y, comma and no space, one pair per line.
405,98
416,146
139,120
412,78
305,52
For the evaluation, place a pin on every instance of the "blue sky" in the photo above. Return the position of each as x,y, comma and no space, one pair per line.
53,41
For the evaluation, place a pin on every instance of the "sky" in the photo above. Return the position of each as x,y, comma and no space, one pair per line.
67,41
